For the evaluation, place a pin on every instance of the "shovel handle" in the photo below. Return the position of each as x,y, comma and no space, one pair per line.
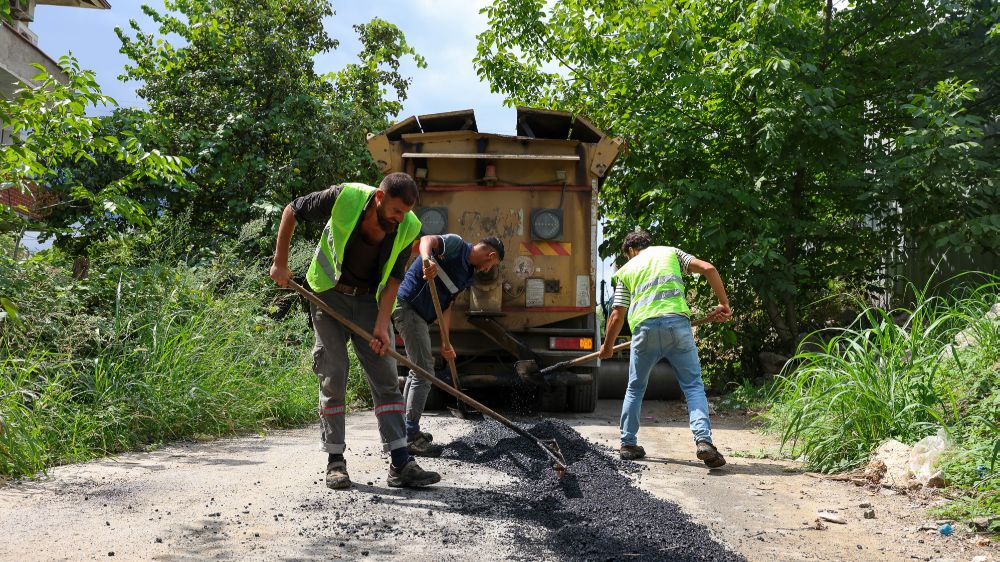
583,359
445,341
420,371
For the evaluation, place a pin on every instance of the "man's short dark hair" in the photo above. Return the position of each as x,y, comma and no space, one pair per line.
638,239
494,243
400,186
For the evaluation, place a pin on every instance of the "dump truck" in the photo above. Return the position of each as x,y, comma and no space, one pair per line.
538,192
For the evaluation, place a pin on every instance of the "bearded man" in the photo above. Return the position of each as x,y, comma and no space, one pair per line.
357,268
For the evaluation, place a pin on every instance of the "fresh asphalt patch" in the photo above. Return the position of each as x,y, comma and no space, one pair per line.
594,512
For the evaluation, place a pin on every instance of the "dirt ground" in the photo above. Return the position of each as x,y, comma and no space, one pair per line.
262,498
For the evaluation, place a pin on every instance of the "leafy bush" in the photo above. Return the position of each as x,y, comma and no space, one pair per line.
159,343
902,377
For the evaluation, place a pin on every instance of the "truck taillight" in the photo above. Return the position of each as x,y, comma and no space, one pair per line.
572,344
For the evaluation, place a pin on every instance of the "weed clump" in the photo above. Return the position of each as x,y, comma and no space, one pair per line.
157,343
904,375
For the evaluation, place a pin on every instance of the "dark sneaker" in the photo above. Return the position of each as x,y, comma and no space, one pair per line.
710,455
336,476
423,447
411,476
427,436
631,452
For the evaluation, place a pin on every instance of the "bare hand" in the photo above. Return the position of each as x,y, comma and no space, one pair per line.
380,342
448,353
281,275
430,269
607,350
721,313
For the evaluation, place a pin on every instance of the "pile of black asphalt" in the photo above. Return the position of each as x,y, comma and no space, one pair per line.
594,512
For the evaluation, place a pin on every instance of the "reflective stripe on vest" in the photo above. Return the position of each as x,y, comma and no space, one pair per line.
324,271
654,279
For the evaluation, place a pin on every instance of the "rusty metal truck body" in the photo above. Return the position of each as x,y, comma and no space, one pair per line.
538,192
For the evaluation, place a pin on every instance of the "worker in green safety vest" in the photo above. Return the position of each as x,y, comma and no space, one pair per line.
357,268
651,288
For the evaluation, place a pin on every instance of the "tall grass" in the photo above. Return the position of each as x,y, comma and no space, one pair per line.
157,353
898,374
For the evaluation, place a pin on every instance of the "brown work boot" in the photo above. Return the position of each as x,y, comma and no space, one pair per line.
336,476
710,455
631,452
423,447
411,476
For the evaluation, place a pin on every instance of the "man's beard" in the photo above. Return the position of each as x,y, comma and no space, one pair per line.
384,222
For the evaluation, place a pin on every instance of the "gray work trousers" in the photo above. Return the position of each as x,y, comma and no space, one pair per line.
417,340
331,365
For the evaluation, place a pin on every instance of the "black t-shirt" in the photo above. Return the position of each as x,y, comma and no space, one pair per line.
363,262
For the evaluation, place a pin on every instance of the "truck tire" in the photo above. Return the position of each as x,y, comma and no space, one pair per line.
583,397
552,400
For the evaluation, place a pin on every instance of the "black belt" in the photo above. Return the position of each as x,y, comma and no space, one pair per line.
353,291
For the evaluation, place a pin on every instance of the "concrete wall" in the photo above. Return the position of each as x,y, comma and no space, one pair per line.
17,54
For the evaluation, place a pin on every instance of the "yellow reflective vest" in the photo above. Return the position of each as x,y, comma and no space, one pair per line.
324,271
654,279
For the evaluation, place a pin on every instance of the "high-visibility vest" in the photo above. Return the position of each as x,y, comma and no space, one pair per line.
325,269
654,279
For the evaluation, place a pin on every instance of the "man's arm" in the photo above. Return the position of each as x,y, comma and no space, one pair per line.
381,342
279,269
722,312
615,322
429,245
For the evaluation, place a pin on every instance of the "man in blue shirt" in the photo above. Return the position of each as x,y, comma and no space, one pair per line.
453,262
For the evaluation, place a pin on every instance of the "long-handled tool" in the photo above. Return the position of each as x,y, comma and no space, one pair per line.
550,446
461,411
529,372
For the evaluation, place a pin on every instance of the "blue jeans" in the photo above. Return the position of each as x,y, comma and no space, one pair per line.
657,338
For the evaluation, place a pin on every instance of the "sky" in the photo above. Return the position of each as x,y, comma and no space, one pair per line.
443,31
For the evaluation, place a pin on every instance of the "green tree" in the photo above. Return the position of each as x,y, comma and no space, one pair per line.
765,136
238,94
52,134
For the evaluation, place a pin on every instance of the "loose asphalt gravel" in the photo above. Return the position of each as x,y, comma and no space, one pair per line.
594,512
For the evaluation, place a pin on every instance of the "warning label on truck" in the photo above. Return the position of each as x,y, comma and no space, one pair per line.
534,292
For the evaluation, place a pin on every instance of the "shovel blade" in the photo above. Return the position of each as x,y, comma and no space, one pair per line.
526,368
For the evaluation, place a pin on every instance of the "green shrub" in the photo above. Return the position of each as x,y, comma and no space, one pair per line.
901,377
158,343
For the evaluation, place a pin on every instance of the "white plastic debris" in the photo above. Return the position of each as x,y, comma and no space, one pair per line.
925,456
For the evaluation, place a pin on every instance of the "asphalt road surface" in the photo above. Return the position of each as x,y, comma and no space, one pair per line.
263,498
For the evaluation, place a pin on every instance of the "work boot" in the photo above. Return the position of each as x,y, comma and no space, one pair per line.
631,452
411,476
423,447
336,476
710,455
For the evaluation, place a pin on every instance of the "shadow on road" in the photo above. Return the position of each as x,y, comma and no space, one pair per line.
732,467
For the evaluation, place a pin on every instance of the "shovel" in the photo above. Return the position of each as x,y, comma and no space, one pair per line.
549,446
529,372
460,412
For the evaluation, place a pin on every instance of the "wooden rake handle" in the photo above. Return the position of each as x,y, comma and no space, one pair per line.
420,371
445,340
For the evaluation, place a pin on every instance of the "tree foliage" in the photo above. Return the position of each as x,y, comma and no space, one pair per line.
786,141
232,84
52,135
